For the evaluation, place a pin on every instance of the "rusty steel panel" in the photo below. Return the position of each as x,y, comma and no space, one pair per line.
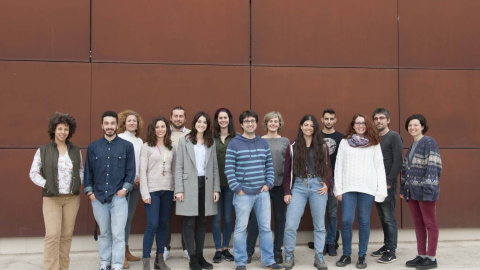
439,34
24,212
325,33
191,31
36,90
45,30
447,98
458,205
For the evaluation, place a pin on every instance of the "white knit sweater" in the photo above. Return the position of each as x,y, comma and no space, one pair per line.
360,170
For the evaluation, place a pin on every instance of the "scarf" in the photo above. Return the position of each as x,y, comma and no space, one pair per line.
356,141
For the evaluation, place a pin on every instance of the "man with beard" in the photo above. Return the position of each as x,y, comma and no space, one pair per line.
178,117
109,175
332,138
391,145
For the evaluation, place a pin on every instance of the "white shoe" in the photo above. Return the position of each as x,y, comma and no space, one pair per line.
185,254
166,254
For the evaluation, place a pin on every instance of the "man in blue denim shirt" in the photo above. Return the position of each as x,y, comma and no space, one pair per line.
109,175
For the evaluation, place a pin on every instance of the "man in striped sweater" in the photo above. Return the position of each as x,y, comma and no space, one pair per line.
250,174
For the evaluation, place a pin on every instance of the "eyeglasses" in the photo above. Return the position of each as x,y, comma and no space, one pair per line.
381,118
359,124
249,121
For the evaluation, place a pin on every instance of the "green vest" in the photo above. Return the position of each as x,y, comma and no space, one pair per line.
49,156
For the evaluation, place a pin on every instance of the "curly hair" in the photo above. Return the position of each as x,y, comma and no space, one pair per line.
370,133
122,119
61,118
152,136
207,135
272,115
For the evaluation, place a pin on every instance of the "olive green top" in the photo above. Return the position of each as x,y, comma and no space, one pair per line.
221,153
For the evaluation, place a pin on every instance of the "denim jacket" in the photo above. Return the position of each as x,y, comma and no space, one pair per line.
109,167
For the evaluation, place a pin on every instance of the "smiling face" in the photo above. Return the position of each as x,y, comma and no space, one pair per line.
201,124
109,126
308,128
249,125
329,120
160,130
131,123
415,128
178,119
273,125
223,120
359,126
61,132
381,121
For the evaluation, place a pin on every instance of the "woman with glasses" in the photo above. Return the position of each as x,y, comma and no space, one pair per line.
359,180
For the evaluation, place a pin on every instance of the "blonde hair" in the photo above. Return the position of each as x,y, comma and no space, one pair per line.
272,115
122,119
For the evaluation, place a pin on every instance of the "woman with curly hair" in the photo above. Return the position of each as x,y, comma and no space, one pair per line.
359,180
130,123
58,168
157,163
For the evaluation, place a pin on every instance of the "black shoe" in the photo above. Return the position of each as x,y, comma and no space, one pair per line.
193,264
427,264
218,257
203,263
387,257
249,258
226,254
243,267
361,264
379,252
278,258
311,245
344,260
331,250
274,266
413,263
325,249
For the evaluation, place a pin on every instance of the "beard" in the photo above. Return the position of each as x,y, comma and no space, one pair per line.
178,126
107,131
327,127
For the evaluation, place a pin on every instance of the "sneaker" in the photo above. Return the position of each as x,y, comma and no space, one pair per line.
331,250
387,257
104,267
427,264
278,258
413,263
243,267
116,268
228,257
344,260
289,262
320,264
249,258
379,252
361,264
166,254
185,254
218,257
311,245
274,266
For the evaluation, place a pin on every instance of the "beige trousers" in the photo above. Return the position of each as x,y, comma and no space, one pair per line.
59,214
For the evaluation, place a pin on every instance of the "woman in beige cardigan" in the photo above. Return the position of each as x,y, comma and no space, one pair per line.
197,186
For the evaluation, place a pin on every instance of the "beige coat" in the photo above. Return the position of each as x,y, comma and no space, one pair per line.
186,179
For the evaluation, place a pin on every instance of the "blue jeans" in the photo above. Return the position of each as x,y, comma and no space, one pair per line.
332,220
133,197
305,189
243,207
350,200
112,218
157,215
225,202
386,213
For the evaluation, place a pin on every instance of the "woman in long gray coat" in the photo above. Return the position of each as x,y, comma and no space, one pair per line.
197,186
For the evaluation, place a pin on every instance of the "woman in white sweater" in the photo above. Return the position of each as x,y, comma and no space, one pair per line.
359,180
157,163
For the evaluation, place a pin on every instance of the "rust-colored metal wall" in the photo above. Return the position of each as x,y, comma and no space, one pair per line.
296,57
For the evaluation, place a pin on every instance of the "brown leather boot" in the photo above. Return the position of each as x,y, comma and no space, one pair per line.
129,255
125,264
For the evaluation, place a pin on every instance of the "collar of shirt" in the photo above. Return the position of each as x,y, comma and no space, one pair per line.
105,141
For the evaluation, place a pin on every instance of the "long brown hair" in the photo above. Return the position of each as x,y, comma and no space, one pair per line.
301,156
370,133
152,136
207,135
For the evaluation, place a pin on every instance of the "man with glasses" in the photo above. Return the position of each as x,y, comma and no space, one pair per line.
250,175
391,144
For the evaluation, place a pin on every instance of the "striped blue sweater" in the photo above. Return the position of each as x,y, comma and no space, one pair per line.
249,165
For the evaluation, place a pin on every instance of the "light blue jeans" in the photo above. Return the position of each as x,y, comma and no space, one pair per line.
243,207
112,218
305,189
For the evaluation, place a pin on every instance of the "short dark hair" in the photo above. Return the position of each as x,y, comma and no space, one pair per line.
111,114
178,108
328,110
61,118
246,114
381,111
421,119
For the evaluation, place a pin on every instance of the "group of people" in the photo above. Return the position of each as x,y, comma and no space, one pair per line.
211,170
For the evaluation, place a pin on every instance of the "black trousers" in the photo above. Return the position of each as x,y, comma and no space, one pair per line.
195,238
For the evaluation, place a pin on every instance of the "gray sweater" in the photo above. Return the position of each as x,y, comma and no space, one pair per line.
278,148
391,145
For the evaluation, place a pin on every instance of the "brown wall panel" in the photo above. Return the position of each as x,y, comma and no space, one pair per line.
325,33
35,90
45,30
191,31
447,98
22,201
458,204
439,33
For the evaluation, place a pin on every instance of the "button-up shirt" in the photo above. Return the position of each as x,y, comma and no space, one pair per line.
109,167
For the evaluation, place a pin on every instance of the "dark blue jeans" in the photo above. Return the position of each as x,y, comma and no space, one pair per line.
157,216
332,220
386,213
350,200
225,209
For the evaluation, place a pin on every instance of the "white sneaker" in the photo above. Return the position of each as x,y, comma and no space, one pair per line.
166,254
185,254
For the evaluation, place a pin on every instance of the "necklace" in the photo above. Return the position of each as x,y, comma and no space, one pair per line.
164,159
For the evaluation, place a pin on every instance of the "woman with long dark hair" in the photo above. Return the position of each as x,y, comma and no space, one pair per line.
197,186
307,177
223,132
420,187
157,163
359,180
